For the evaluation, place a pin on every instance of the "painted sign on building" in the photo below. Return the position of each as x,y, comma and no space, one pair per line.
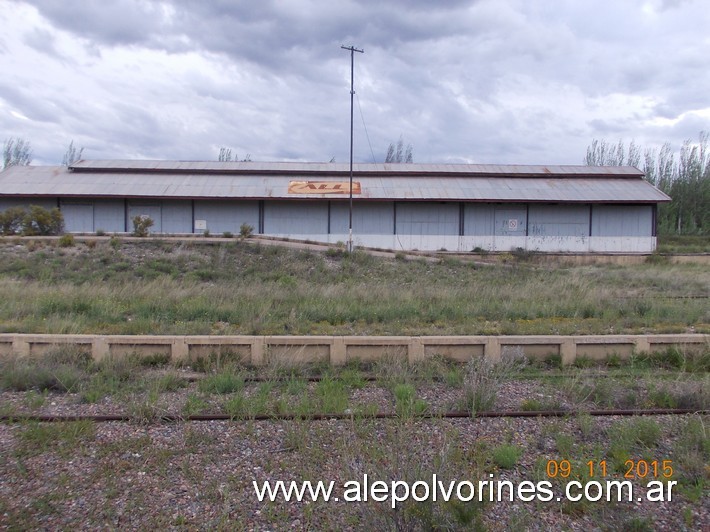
322,187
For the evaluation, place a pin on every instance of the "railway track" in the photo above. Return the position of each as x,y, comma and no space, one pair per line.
174,418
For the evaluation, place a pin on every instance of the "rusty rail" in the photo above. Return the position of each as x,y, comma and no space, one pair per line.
173,418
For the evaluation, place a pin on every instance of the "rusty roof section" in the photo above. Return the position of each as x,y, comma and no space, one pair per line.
315,169
383,182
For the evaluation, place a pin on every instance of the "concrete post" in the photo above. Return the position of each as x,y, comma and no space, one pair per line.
257,351
338,351
642,344
179,350
568,351
99,348
20,346
492,351
415,350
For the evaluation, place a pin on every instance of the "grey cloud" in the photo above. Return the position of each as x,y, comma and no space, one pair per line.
43,41
34,108
460,80
119,22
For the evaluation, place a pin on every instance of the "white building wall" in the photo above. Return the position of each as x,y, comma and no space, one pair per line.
373,218
558,220
222,216
176,216
427,219
622,244
78,216
622,220
110,215
426,226
46,203
302,220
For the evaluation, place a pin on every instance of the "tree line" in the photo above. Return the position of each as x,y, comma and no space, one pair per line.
684,176
18,152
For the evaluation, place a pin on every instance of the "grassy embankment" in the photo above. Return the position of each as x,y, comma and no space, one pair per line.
156,287
684,244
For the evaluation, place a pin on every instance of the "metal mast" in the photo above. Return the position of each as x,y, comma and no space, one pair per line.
352,93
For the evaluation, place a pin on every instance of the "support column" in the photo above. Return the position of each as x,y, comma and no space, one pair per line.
492,350
257,351
642,345
568,351
179,349
99,348
338,351
415,350
20,346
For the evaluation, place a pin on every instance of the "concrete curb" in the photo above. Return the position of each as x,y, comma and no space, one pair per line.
338,350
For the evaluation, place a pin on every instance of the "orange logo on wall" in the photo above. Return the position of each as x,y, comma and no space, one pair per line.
322,187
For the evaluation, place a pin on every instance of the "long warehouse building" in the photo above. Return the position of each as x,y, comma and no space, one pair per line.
460,207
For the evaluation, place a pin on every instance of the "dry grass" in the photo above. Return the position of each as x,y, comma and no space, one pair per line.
240,288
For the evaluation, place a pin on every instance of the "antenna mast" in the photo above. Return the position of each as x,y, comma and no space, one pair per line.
352,93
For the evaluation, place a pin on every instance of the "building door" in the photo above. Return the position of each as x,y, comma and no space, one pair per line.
78,217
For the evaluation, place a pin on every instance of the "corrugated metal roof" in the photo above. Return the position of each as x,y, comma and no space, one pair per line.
438,184
250,167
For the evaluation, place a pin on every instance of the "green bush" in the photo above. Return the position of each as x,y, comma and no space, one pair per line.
35,221
246,230
142,225
39,221
11,220
66,241
506,456
222,383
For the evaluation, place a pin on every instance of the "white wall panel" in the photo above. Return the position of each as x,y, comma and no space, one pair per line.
510,220
371,218
427,218
110,216
558,220
222,216
622,220
78,217
46,203
297,219
478,219
177,216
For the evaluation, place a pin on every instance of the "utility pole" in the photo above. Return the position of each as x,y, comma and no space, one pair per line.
352,93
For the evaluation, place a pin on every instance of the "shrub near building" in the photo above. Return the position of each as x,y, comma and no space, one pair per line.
35,221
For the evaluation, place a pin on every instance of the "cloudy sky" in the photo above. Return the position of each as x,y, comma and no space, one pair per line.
484,81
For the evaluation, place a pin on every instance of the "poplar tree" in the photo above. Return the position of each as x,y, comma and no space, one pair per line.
16,152
685,178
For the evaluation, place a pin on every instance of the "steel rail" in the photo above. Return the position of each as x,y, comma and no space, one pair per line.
588,372
173,418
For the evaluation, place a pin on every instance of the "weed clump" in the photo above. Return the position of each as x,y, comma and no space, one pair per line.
506,456
61,370
483,378
142,225
406,403
246,230
66,241
225,382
